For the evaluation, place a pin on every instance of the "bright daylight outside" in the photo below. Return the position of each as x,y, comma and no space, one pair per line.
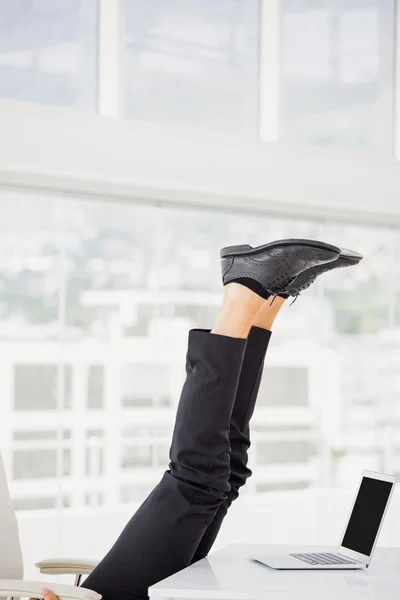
98,290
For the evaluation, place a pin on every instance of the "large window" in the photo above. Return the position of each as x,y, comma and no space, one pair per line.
329,80
95,301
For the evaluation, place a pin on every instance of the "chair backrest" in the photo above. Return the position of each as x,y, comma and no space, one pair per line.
11,563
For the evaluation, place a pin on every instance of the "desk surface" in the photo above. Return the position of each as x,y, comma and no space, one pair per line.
229,575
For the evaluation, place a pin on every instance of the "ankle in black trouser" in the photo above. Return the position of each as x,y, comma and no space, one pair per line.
164,534
239,435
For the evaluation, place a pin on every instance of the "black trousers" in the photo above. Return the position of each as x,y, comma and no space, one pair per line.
178,523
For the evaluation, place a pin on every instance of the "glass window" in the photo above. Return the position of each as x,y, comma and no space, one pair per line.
145,385
193,62
364,301
95,387
34,435
94,452
95,434
283,452
94,459
135,278
280,487
161,454
395,306
134,493
356,295
36,386
338,73
141,325
283,387
40,503
94,499
32,464
110,255
34,503
48,52
29,269
289,428
136,456
28,464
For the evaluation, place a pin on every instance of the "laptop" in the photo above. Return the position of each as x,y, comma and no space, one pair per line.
358,542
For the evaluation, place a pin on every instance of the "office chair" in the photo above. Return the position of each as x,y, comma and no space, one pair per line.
12,584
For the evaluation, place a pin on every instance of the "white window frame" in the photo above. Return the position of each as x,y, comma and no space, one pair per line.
396,111
111,58
270,68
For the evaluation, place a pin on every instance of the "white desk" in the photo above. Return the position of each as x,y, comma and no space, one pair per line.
229,575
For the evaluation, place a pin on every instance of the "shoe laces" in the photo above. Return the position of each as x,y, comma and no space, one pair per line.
276,295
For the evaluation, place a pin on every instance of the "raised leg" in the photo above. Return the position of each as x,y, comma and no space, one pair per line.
239,435
163,535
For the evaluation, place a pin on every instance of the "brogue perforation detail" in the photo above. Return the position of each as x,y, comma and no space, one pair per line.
248,275
284,253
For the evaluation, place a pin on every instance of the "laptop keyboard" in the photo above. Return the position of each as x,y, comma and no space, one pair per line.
324,558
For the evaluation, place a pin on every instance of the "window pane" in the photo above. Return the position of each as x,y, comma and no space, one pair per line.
136,456
34,503
34,435
109,251
279,487
48,52
95,433
95,387
94,499
283,452
145,385
284,386
338,73
94,459
363,304
30,464
358,295
29,268
38,503
36,386
193,62
130,493
395,280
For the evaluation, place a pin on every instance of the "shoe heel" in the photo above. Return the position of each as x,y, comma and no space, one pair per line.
229,250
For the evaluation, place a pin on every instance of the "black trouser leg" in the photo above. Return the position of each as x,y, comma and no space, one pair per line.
163,535
239,436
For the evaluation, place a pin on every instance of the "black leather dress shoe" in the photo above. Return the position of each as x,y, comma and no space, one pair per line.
268,270
347,258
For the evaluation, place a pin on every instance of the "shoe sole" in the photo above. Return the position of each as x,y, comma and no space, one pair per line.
247,249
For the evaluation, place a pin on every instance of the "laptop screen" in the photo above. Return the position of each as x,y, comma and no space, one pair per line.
367,515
